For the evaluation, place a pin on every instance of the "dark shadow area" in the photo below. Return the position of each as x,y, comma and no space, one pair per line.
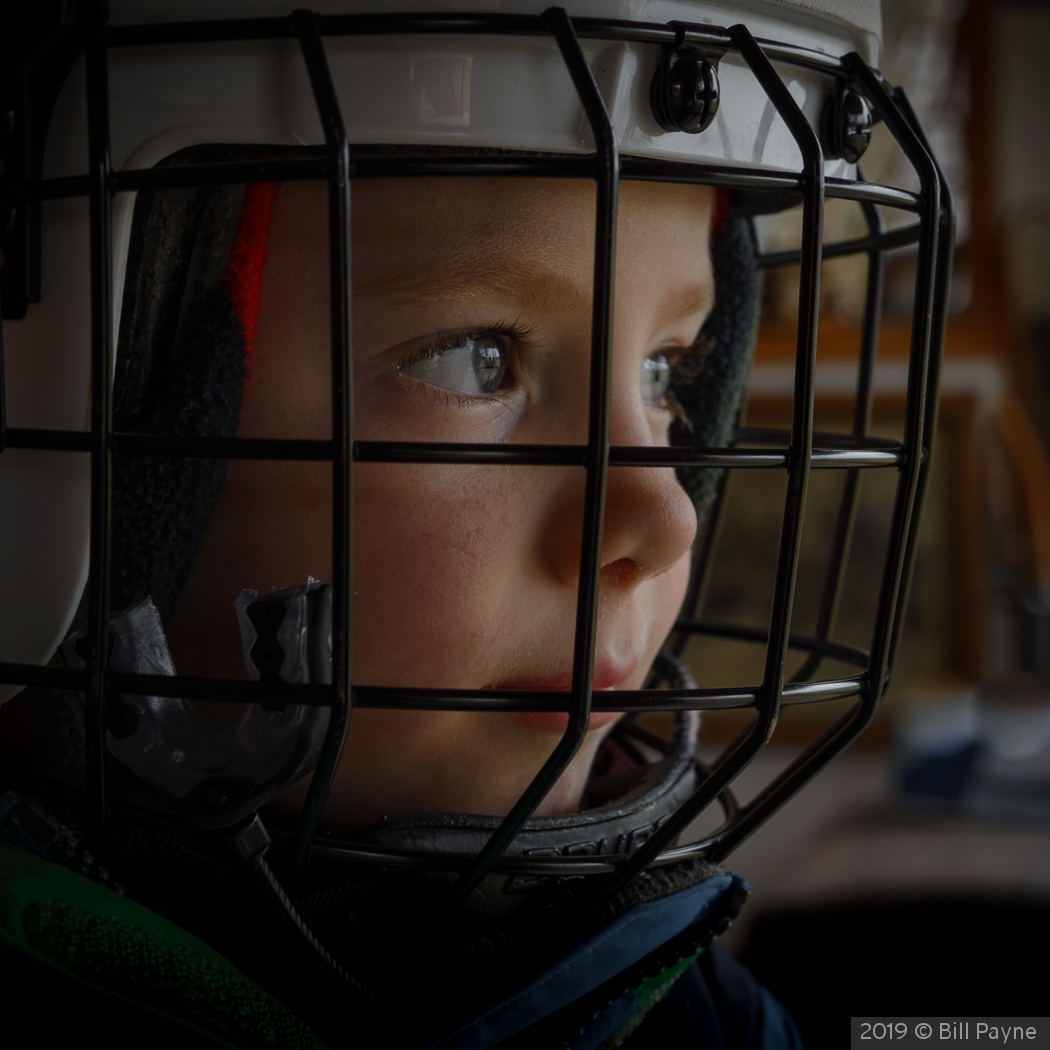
911,957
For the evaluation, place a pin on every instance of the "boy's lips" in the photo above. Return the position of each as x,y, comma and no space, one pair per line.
606,678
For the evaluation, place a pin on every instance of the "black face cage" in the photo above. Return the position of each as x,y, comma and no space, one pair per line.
795,451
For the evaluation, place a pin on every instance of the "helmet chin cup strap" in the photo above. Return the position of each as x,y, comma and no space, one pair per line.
213,776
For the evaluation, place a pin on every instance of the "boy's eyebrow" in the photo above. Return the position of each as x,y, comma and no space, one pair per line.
696,299
529,284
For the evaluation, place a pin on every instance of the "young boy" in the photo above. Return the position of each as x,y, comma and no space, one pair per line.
472,314
472,307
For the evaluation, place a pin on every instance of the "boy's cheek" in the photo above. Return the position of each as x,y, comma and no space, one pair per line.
451,591
436,574
388,407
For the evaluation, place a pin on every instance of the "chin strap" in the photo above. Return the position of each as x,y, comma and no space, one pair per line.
250,845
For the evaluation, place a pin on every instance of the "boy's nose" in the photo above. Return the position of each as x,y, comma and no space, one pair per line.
650,522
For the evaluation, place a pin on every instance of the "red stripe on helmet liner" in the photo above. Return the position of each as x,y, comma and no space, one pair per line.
723,202
244,269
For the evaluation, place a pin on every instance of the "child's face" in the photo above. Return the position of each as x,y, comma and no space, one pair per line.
472,318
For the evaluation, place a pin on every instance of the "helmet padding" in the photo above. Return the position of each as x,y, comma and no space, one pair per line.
181,365
711,394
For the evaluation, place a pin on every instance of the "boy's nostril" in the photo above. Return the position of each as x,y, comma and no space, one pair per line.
624,572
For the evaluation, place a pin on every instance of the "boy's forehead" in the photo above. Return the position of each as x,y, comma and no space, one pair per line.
425,236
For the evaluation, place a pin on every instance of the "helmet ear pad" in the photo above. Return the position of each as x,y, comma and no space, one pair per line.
709,391
162,505
181,365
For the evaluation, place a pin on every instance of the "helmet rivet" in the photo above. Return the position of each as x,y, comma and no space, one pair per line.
684,92
847,124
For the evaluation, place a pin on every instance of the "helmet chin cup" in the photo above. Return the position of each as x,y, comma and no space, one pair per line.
286,635
214,777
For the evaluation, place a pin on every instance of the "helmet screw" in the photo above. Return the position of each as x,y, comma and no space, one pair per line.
847,124
684,92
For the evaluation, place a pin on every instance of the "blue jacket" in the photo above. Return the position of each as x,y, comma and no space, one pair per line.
704,999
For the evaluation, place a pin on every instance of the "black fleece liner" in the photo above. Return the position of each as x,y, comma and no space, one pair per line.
162,506
712,395
180,371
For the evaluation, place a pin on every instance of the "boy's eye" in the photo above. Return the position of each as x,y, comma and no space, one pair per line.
656,379
470,365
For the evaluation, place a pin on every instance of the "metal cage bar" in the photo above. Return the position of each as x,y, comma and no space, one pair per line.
317,695
840,547
707,38
750,743
699,577
881,241
341,335
928,289
101,427
930,306
832,457
312,165
608,177
939,323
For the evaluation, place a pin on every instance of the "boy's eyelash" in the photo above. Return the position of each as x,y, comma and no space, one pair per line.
687,363
514,330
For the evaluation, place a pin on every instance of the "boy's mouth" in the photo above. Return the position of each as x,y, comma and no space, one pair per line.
606,678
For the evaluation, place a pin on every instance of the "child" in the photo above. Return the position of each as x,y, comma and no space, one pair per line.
471,324
466,575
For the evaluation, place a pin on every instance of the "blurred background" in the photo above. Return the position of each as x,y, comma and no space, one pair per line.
913,876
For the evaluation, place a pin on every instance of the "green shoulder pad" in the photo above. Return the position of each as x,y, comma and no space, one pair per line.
77,930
